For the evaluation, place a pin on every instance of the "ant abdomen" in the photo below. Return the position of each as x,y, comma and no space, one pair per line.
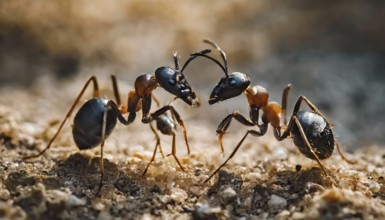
165,125
87,129
318,133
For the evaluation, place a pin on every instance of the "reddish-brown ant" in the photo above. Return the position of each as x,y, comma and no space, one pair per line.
97,118
310,130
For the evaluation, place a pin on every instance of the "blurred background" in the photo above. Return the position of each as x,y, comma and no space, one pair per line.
332,52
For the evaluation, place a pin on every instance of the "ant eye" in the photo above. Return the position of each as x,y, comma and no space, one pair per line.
232,82
171,82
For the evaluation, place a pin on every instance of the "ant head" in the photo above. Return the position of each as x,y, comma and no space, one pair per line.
229,87
174,82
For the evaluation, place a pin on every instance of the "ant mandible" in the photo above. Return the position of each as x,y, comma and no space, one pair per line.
97,118
310,130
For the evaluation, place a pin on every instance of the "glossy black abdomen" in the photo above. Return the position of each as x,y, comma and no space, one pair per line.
165,125
88,122
318,133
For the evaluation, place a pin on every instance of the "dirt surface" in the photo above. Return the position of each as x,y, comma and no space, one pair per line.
266,179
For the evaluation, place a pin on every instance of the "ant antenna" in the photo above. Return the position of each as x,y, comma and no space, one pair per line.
193,56
212,59
175,55
223,55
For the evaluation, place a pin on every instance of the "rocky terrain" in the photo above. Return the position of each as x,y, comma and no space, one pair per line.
266,179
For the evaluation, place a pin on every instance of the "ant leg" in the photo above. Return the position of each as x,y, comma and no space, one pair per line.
153,155
101,163
252,132
311,105
304,138
342,155
174,120
281,136
132,101
146,105
95,94
118,113
116,89
156,101
285,93
175,115
133,105
161,111
157,139
225,123
120,117
173,152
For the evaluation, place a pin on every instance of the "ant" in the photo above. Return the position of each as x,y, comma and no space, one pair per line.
97,117
310,130
173,81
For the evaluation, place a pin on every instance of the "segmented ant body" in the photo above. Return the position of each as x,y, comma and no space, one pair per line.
97,118
310,130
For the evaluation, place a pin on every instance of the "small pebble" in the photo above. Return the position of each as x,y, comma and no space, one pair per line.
229,193
74,201
204,211
179,195
166,199
283,215
4,194
146,216
253,176
98,206
56,196
248,202
298,215
277,202
280,153
374,187
196,190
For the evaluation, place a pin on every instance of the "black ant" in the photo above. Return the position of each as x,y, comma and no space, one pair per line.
97,118
310,130
173,81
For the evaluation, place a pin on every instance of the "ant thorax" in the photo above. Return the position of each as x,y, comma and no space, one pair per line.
257,95
272,114
145,84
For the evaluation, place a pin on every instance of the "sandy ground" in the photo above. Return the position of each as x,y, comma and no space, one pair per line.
265,180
